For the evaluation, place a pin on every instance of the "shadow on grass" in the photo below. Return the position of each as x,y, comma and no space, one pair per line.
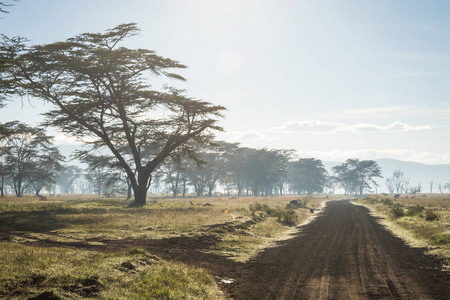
42,221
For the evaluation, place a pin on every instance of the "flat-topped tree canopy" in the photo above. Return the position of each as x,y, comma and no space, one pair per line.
102,94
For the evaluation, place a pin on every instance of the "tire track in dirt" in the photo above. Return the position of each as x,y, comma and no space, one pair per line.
343,254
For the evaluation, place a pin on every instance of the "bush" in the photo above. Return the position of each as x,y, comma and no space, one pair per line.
430,215
387,202
370,200
254,207
286,217
397,212
415,210
294,204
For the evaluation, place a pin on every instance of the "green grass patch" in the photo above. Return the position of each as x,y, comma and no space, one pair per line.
28,271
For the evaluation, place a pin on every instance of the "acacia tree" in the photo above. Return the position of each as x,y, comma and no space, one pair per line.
236,168
98,171
66,178
30,156
5,170
356,176
44,174
171,172
263,170
101,93
308,175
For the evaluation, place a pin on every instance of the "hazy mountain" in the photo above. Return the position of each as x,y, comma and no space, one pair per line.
416,172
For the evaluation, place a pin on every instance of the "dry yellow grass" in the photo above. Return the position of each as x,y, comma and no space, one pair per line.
420,220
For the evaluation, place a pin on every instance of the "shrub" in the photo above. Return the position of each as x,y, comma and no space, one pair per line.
430,215
415,210
370,200
254,207
287,217
387,202
294,204
284,216
397,212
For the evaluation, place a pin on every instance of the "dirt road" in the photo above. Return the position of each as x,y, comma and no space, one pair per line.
343,254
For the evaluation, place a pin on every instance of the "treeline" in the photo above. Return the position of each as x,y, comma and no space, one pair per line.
31,164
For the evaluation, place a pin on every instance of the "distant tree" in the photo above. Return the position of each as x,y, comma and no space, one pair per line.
236,168
173,173
398,183
431,186
284,157
447,186
308,175
99,171
440,188
405,186
332,184
66,178
228,156
390,185
196,176
345,178
101,92
30,155
263,170
5,170
356,176
47,164
416,189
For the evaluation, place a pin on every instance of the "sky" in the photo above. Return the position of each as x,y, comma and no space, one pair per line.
331,79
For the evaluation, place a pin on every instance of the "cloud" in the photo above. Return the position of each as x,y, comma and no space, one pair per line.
59,138
438,109
323,127
247,136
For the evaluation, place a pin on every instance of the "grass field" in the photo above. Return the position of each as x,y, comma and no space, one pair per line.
66,247
421,220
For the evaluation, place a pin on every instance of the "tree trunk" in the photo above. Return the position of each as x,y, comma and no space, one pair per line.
3,184
184,188
18,187
175,189
140,191
129,191
140,196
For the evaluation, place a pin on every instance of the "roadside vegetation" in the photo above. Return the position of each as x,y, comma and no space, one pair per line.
84,247
420,220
